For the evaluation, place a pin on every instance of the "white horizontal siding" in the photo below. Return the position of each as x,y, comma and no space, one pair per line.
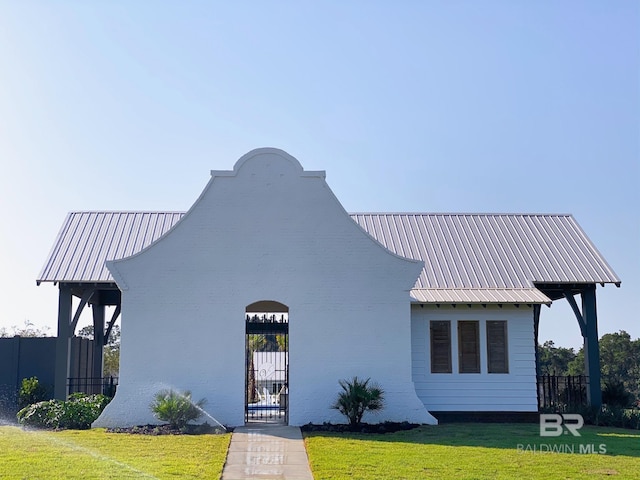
514,391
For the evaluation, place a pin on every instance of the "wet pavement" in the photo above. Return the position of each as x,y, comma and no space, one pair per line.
267,452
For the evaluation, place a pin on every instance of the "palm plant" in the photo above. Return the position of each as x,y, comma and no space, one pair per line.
358,397
176,408
283,343
255,343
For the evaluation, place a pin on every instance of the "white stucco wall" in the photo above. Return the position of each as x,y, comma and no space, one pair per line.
511,392
265,231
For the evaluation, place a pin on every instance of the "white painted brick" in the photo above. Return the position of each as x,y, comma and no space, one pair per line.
266,231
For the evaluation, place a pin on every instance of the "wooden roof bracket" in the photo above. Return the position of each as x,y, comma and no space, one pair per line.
577,312
114,317
86,296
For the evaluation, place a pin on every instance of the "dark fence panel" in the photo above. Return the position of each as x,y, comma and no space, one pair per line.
24,357
562,393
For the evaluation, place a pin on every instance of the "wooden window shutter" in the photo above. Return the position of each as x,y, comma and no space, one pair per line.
469,346
440,346
497,349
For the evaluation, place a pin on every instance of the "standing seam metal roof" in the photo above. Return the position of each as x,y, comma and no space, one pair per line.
475,251
491,257
88,239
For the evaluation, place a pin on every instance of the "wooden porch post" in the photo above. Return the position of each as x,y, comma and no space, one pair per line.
98,344
63,347
536,328
591,345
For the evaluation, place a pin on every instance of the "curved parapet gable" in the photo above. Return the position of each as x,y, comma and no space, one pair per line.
267,229
265,156
262,170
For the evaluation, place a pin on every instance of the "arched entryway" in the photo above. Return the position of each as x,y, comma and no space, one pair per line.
267,362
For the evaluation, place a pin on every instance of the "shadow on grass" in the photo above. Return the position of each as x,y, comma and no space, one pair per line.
511,436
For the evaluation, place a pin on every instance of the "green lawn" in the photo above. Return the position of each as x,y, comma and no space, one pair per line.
460,451
95,454
474,451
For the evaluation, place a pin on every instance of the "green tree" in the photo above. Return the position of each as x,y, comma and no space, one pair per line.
554,360
620,359
111,352
255,343
619,362
576,366
283,343
27,330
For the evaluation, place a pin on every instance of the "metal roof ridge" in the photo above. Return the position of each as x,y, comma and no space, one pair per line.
127,211
476,288
467,214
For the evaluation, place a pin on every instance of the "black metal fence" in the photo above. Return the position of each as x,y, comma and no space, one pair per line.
107,386
562,393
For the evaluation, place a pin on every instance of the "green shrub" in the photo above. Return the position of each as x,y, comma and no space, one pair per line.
176,408
358,397
78,413
610,416
31,391
615,394
615,416
40,415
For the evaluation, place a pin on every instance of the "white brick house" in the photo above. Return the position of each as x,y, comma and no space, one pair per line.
440,310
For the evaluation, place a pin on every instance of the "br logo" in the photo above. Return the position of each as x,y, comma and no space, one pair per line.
554,424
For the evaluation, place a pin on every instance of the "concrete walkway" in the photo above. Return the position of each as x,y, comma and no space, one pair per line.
267,452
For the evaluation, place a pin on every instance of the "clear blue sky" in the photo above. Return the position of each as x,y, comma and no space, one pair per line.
432,106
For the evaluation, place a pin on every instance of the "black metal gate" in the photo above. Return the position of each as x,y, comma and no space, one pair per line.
267,368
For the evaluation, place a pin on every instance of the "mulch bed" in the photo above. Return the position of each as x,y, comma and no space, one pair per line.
167,429
386,427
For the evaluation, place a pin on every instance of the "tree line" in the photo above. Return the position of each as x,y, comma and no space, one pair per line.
619,362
